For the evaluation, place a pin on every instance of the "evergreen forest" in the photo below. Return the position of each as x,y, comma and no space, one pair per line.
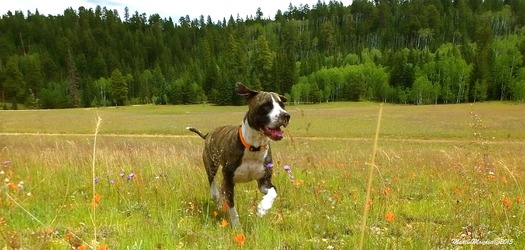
397,51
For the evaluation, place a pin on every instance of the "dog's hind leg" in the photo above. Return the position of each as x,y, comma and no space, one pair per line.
211,171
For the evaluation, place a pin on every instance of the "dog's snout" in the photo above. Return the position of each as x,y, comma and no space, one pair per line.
285,117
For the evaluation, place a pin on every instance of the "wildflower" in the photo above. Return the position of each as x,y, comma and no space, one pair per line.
121,174
224,206
518,198
269,165
457,191
507,202
111,181
2,172
386,191
95,180
504,181
390,216
297,183
69,235
20,185
369,204
7,163
102,247
96,199
336,196
240,238
12,186
130,176
215,213
81,247
288,169
224,223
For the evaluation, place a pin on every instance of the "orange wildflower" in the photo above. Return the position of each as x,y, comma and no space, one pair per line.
336,196
507,202
369,204
102,247
12,186
518,198
457,191
224,206
390,216
297,183
81,247
240,238
386,191
69,235
96,199
224,223
215,213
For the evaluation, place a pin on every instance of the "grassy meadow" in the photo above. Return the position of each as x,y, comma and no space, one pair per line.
445,176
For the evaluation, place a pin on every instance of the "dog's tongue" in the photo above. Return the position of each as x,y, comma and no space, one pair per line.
274,133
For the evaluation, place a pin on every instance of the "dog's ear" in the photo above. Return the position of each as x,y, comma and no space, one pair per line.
244,91
283,98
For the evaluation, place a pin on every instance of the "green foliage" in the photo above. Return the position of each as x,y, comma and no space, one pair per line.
517,87
469,51
119,87
14,84
53,96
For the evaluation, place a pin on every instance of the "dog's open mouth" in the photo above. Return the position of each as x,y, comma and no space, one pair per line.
275,134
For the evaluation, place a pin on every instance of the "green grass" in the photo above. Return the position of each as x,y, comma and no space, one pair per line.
446,172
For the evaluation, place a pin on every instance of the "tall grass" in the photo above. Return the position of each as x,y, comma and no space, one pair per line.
371,168
463,184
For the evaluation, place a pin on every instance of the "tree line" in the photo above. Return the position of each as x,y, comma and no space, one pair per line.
400,51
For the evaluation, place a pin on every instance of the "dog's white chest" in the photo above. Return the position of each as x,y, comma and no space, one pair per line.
251,168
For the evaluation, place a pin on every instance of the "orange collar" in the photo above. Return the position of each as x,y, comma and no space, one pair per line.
248,146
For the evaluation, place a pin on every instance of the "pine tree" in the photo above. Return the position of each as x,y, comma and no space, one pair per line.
72,78
14,85
119,88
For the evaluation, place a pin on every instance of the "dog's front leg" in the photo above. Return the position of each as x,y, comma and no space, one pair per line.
269,197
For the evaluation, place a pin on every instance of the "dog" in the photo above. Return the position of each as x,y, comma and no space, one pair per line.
244,151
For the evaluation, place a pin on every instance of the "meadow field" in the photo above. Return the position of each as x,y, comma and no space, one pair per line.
445,177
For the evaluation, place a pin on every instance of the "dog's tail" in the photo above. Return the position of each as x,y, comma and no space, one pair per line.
194,130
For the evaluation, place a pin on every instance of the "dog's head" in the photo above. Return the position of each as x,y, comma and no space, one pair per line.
266,111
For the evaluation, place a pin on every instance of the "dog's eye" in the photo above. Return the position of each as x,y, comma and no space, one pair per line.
267,107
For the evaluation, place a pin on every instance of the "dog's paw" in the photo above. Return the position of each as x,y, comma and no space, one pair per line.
266,202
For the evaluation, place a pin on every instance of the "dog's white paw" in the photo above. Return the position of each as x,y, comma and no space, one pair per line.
234,217
266,202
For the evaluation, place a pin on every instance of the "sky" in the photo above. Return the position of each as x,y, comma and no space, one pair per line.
216,9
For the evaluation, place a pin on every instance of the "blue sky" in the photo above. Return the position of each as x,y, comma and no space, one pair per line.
165,8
